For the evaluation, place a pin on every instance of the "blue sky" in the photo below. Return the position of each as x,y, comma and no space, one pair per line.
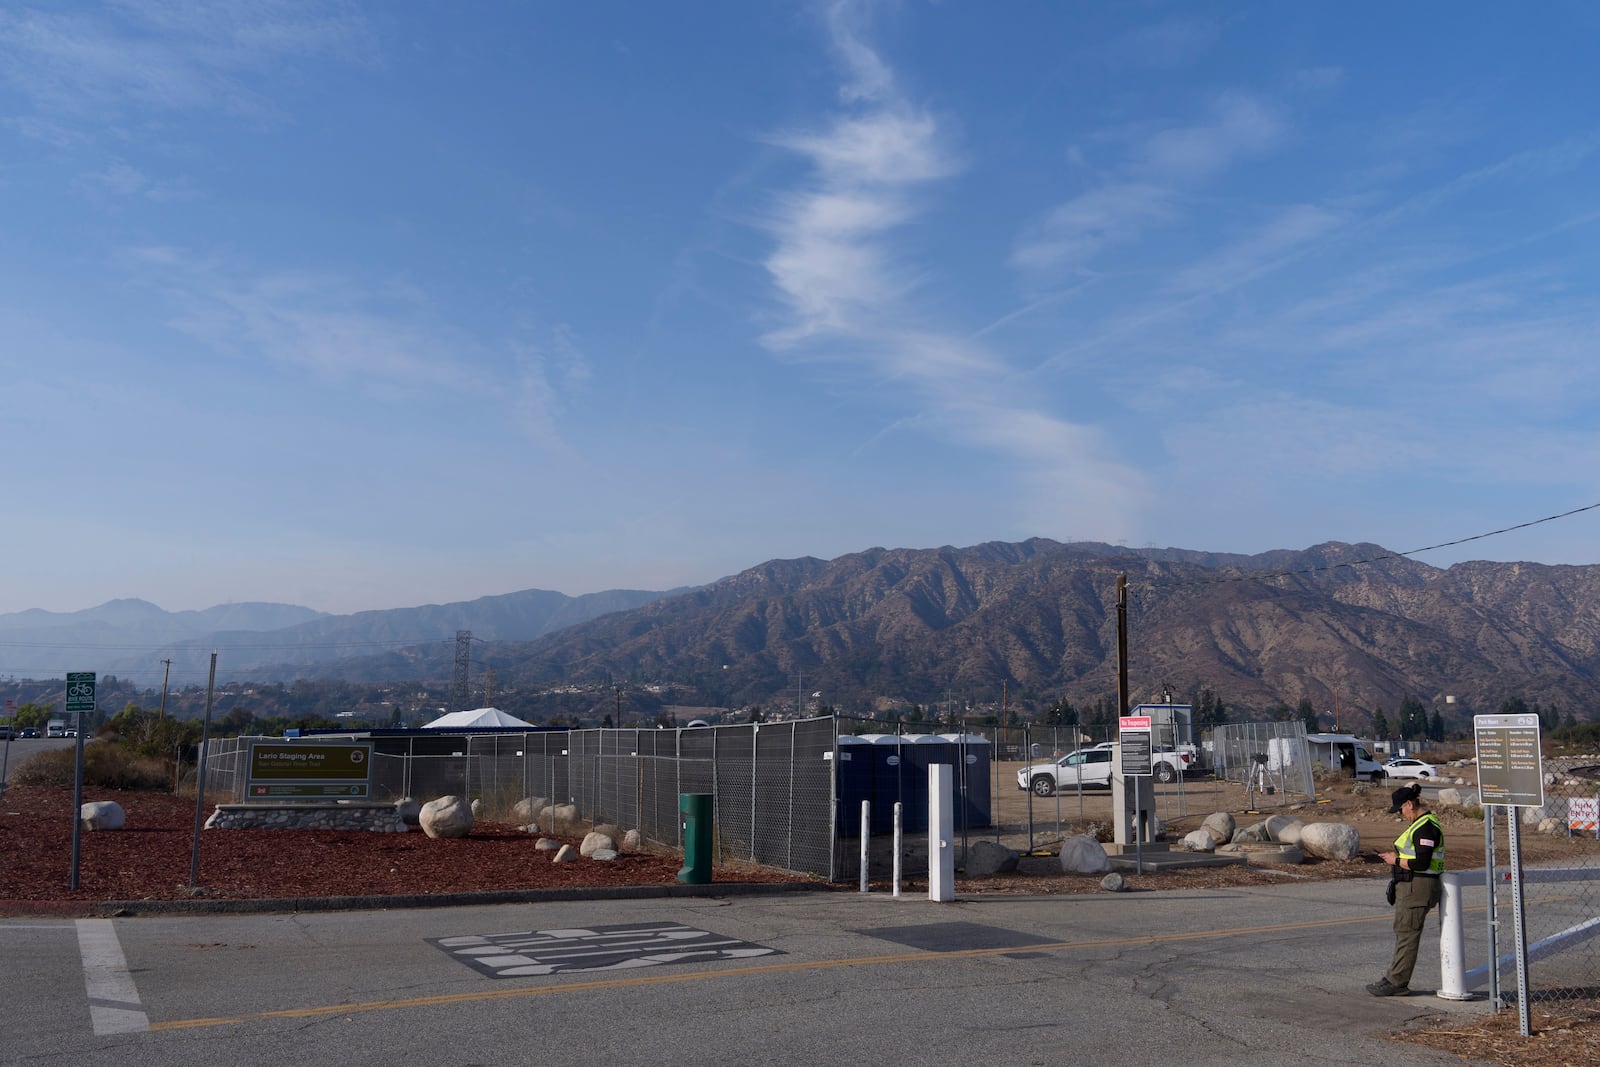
380,305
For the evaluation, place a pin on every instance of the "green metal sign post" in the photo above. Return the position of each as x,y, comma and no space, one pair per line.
80,702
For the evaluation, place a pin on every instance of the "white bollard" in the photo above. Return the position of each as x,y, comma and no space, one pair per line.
941,830
899,828
866,837
1452,942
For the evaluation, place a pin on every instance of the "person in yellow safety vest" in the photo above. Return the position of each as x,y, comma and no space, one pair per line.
1414,889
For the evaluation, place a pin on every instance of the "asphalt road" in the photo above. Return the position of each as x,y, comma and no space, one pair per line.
1235,976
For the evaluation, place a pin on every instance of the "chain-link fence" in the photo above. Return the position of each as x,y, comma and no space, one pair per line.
771,784
1270,760
1560,909
1008,788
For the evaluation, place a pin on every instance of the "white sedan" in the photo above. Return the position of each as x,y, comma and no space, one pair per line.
1409,768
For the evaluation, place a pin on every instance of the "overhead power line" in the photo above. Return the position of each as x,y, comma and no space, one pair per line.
1261,576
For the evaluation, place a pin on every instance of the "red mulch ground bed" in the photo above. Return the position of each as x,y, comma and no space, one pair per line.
150,858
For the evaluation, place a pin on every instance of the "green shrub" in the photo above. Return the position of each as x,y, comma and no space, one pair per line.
104,767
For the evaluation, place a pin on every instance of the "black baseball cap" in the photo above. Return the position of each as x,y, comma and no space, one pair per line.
1401,795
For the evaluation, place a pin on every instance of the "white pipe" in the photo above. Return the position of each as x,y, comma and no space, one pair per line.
1452,947
866,839
899,827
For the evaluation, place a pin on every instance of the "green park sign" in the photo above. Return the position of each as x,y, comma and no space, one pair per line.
1510,763
279,769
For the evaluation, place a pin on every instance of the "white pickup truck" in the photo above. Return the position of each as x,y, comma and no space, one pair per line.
1093,766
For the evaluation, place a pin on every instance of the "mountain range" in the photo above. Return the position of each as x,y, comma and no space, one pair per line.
1352,627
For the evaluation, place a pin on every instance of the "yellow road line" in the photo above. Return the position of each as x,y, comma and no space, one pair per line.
791,967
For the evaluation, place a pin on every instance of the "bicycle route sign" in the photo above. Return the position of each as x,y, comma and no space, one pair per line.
80,692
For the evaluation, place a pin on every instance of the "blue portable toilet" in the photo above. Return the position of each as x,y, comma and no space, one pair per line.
892,782
918,753
852,782
971,756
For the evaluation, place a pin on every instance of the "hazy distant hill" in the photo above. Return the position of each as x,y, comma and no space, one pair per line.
275,641
902,626
47,644
1034,620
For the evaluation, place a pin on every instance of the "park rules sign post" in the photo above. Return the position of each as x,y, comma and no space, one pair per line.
1510,763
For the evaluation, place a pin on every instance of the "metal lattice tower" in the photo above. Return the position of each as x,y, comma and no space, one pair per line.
459,694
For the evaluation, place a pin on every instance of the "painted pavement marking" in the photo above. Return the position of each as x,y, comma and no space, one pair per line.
600,948
114,1006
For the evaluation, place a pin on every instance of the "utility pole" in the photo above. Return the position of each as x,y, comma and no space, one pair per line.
1122,644
162,714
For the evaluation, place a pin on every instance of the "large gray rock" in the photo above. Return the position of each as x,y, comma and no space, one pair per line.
1330,840
409,811
605,855
102,815
1278,825
527,809
632,841
448,816
1084,855
1458,798
1220,825
594,841
558,818
545,844
1113,883
986,859
1254,834
565,854
1199,841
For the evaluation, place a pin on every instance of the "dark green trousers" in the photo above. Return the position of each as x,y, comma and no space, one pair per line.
1412,902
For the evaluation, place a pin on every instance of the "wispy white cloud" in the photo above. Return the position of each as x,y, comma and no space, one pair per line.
94,65
1287,232
1238,125
851,294
377,340
1081,228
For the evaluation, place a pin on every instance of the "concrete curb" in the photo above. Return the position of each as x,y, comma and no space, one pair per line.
202,906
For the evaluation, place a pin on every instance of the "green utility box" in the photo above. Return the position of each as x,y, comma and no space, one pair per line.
696,811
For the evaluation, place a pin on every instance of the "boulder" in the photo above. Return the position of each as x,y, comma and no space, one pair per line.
605,855
611,830
477,807
1220,825
988,858
546,844
1199,841
1458,798
1552,826
101,815
409,811
1330,840
1290,835
1254,834
593,841
1112,883
448,816
528,808
1084,855
558,817
1278,825
632,841
565,854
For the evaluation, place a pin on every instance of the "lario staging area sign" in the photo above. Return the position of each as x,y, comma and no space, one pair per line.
309,769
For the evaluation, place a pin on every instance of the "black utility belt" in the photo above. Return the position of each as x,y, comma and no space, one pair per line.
1402,874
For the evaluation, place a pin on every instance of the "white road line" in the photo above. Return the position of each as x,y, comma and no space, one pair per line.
113,1001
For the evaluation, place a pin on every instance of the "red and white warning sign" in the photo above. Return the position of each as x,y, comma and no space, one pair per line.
1583,813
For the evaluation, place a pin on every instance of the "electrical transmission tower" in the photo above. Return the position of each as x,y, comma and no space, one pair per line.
459,694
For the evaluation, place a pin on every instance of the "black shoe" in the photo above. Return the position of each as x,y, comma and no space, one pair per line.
1383,988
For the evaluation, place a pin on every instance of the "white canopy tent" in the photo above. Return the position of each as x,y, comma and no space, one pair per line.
478,718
